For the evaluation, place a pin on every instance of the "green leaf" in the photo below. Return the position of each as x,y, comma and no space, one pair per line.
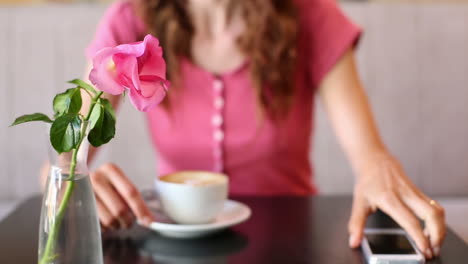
108,125
96,119
108,106
95,116
68,102
104,127
65,132
84,85
30,118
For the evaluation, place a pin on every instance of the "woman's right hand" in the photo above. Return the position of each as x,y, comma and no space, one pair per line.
119,202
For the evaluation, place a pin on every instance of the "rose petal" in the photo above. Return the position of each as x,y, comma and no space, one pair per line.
150,84
127,70
154,87
151,62
138,48
103,75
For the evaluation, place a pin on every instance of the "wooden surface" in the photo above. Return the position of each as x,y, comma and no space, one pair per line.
412,58
281,230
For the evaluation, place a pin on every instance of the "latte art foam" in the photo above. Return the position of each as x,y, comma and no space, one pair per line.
199,182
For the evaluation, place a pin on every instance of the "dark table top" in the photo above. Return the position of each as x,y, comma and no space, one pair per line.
281,230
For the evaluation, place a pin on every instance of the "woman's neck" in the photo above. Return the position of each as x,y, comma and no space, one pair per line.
209,17
214,42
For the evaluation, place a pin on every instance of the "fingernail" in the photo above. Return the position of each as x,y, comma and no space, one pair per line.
147,221
436,251
352,240
428,253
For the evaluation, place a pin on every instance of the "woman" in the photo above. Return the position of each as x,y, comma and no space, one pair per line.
244,77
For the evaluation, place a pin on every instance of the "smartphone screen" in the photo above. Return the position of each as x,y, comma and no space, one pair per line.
389,244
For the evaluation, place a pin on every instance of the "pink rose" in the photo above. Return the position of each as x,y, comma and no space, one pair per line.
138,67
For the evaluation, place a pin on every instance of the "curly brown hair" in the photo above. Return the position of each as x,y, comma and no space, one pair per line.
269,41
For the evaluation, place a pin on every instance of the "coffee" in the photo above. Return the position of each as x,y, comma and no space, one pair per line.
194,178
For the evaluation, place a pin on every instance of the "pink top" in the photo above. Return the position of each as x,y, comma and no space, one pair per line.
212,125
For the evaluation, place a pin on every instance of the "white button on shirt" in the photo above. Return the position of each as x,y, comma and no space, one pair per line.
217,120
218,85
219,102
219,135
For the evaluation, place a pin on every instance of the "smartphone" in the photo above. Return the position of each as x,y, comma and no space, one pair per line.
390,246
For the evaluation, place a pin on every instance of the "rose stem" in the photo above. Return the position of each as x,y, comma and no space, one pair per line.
69,189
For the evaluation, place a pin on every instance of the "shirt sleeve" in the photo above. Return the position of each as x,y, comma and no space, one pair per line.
119,25
329,33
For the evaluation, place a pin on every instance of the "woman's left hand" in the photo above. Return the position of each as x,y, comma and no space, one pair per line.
383,184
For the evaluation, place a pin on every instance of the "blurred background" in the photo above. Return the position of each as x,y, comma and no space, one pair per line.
413,59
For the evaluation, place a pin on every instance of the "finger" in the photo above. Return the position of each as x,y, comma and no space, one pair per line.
130,194
105,217
394,207
435,223
359,213
427,210
433,215
113,201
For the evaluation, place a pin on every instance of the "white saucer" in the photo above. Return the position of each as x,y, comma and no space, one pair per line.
232,214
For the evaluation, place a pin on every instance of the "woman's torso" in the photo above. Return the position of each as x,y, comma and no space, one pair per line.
213,124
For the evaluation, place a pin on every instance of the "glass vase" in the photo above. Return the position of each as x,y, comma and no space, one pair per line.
69,229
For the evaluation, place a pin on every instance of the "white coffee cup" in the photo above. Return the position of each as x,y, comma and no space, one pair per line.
192,197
